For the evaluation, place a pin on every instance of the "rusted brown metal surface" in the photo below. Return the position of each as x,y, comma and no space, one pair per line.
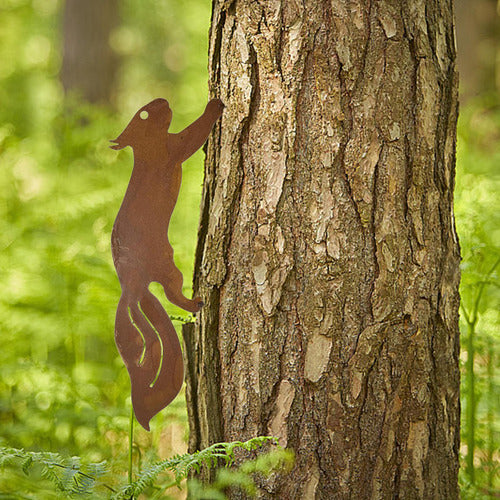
144,334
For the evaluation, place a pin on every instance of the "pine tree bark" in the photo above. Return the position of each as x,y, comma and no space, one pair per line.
327,256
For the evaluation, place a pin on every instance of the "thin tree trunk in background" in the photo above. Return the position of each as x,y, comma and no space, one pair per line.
327,256
89,64
478,40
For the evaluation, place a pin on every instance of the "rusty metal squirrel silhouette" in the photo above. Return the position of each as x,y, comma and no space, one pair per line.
144,333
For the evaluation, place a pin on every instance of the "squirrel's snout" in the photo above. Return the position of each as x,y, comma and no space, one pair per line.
117,144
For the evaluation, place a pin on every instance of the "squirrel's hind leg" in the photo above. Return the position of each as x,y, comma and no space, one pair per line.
171,281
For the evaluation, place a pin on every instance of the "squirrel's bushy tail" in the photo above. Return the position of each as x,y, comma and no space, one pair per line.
149,346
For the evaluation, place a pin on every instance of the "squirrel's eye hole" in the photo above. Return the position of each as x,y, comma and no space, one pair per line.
144,115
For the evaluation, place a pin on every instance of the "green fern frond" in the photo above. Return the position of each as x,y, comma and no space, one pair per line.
243,477
183,319
181,465
68,475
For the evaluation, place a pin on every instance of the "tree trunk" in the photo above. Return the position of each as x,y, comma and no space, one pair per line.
478,40
89,64
327,255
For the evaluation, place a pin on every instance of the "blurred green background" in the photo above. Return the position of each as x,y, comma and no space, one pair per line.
68,84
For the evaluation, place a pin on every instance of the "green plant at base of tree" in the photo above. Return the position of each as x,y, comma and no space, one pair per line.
71,476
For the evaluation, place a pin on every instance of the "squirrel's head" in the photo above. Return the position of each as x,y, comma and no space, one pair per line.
148,126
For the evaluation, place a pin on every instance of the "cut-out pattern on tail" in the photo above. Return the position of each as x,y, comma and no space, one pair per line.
152,354
144,333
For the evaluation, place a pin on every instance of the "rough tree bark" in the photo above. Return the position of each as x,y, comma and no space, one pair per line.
89,64
327,255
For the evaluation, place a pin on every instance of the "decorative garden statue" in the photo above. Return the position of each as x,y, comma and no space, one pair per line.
144,333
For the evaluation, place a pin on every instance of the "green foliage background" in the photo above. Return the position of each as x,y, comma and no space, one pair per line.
63,386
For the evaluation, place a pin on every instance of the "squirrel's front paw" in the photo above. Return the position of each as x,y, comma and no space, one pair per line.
198,302
217,106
